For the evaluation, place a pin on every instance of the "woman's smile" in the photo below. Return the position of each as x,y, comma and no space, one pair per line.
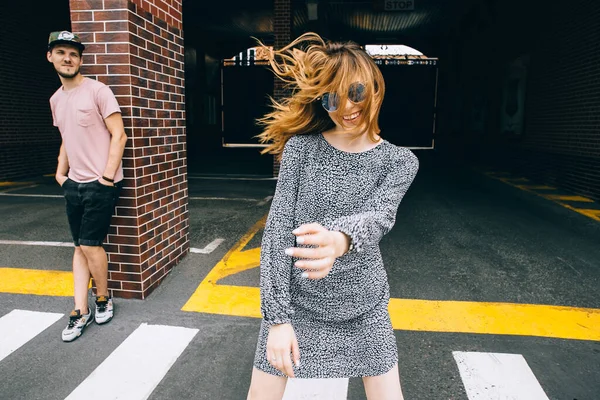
352,117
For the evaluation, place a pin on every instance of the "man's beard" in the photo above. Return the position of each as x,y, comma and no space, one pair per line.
67,76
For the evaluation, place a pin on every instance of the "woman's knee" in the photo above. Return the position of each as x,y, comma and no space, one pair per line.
264,386
386,386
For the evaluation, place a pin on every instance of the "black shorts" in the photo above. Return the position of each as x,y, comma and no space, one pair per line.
90,207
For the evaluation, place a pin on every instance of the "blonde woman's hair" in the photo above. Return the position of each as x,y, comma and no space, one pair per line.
311,67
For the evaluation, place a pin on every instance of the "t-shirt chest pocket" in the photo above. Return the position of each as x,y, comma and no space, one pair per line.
85,117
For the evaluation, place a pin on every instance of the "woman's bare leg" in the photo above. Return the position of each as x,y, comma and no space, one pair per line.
384,387
265,386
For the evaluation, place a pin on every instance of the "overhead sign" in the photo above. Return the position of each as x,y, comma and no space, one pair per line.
398,5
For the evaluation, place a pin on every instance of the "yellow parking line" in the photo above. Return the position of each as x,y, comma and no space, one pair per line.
406,314
5,184
432,316
590,213
496,318
556,198
34,281
579,199
535,187
239,301
513,181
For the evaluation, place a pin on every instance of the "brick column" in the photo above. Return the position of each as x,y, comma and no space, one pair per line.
136,47
282,32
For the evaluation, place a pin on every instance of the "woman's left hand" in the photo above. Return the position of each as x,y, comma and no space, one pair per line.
317,261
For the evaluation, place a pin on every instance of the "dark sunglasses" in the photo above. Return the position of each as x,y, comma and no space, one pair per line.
356,93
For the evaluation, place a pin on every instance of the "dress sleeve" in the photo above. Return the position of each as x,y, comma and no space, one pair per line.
378,215
275,265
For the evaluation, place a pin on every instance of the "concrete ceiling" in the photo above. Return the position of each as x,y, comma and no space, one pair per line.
223,28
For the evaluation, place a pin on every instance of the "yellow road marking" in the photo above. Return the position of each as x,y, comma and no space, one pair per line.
4,184
514,180
580,199
239,301
496,173
38,282
590,213
535,187
406,314
229,299
496,318
236,260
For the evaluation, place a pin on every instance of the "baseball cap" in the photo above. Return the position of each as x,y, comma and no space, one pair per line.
64,37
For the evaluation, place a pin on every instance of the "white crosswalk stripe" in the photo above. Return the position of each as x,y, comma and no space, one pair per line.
495,376
305,389
141,361
20,326
134,369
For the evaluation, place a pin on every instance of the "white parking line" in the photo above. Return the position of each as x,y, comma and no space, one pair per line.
57,196
18,188
230,178
34,243
495,376
53,196
209,248
305,389
206,250
265,201
225,199
20,326
137,366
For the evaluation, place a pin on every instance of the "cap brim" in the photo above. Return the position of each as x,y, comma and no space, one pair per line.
80,46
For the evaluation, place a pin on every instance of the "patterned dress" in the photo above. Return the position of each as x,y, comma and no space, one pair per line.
341,321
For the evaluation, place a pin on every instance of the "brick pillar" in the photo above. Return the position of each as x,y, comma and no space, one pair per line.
136,47
282,32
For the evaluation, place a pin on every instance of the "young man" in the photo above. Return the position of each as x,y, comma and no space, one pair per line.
89,170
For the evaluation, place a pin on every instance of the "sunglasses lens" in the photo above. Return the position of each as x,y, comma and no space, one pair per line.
357,92
330,101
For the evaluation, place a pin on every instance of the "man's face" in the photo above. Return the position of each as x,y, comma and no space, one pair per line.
66,60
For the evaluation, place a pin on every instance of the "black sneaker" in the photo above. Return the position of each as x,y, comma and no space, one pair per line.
77,324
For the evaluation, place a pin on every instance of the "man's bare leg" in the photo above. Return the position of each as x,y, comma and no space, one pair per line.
81,278
97,263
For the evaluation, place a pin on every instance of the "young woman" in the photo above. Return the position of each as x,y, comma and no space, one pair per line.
324,289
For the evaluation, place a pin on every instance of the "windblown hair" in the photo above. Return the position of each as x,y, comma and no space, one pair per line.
311,67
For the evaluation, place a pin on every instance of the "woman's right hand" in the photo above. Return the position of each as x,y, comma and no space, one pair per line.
282,348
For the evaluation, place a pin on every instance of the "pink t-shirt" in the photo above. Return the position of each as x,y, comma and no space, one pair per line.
79,115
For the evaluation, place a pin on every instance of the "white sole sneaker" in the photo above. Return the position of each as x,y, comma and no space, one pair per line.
104,310
76,326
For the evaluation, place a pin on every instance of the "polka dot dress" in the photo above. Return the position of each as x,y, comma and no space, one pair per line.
341,321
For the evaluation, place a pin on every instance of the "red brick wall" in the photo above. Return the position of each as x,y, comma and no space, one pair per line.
136,47
282,29
561,141
28,142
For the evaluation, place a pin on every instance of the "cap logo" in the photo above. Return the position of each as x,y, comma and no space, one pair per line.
66,35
